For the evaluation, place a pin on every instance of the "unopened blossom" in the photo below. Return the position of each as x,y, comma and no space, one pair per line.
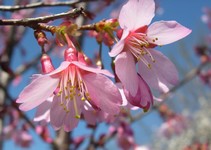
136,46
74,84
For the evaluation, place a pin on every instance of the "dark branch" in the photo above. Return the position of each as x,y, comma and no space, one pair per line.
33,22
42,4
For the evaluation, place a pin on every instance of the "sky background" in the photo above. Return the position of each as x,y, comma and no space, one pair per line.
186,12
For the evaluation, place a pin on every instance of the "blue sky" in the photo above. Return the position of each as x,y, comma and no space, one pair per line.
186,12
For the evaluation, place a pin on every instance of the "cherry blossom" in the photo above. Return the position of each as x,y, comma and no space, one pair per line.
75,84
136,46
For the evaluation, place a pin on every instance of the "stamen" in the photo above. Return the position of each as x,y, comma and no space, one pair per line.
150,55
75,108
83,98
145,62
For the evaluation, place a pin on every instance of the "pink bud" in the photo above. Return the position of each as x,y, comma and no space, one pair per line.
70,54
46,63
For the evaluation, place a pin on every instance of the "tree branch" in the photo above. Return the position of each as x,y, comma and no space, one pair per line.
42,4
33,22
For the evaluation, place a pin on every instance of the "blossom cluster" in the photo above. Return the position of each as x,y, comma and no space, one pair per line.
77,89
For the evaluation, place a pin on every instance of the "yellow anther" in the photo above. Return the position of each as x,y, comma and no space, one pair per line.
83,98
149,66
77,116
66,87
153,60
66,97
61,104
79,94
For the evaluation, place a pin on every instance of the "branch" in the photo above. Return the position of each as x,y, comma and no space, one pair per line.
34,22
42,4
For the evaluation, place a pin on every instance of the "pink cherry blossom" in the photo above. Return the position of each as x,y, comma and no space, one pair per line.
136,46
76,84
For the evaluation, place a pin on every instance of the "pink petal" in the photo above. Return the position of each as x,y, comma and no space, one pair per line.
91,69
37,92
89,114
57,113
126,71
136,13
43,111
103,92
121,90
93,116
62,67
163,73
166,32
70,121
143,98
118,47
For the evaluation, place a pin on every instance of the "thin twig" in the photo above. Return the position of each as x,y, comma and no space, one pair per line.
42,4
33,22
88,27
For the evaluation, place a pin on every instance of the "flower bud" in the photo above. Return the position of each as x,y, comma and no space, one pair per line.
46,63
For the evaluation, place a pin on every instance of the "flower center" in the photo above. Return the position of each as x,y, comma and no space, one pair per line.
72,88
138,44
